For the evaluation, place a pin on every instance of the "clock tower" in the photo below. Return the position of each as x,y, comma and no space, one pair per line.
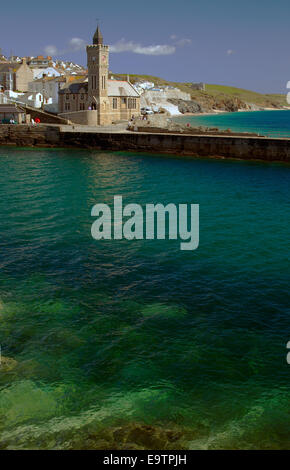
98,66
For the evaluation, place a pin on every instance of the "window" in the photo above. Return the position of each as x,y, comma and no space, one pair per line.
82,106
94,82
115,103
74,97
67,107
103,82
132,103
82,97
67,96
124,100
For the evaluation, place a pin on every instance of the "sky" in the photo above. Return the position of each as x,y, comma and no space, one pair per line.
239,43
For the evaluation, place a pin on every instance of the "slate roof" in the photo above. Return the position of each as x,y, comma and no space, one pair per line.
10,108
121,88
115,88
75,87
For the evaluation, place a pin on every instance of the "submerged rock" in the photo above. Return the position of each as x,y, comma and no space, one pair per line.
7,364
163,311
131,436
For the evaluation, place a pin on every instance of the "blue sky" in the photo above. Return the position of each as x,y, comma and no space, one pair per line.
244,44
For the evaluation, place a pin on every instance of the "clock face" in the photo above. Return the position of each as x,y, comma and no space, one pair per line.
103,58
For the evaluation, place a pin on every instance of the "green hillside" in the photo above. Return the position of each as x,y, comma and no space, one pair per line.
217,96
247,95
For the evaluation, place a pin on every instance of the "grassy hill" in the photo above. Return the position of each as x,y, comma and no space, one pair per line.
248,96
217,96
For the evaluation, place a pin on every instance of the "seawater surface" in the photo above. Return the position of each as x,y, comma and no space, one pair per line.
268,123
137,344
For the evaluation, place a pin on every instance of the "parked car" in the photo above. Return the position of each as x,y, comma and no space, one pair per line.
146,110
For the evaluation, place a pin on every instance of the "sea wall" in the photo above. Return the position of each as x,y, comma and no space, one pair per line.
29,136
248,148
90,118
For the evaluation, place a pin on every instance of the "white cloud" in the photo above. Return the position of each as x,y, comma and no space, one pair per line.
156,50
77,44
131,46
183,42
73,45
50,50
230,52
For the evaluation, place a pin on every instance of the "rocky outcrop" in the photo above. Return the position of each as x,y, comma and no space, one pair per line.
187,106
206,103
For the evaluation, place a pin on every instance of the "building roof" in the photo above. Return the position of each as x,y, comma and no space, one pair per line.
115,88
45,79
121,88
10,108
75,87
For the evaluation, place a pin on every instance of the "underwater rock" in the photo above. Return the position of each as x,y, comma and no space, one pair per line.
131,436
163,311
7,364
144,436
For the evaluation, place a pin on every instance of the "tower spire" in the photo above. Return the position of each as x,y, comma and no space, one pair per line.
98,38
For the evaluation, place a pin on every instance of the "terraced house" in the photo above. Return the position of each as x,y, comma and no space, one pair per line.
98,100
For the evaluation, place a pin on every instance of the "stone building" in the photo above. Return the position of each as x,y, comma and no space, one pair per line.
15,76
98,100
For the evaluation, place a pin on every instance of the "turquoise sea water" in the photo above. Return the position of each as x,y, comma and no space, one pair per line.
268,123
136,344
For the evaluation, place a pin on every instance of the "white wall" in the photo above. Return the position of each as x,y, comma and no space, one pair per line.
49,72
49,87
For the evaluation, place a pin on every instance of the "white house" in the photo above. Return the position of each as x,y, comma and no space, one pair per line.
42,72
143,86
49,88
29,98
34,99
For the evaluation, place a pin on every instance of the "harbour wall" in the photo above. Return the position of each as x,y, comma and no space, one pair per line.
248,148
